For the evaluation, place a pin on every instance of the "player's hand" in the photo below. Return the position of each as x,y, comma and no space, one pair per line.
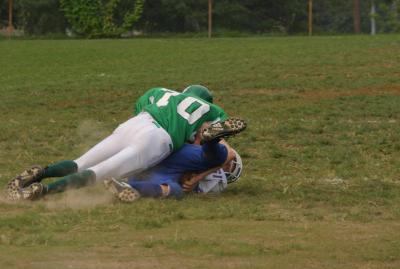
189,185
189,181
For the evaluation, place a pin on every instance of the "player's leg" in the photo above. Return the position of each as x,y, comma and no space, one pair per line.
152,145
129,192
103,150
149,188
100,152
127,161
122,137
155,145
59,169
38,190
146,145
155,189
37,173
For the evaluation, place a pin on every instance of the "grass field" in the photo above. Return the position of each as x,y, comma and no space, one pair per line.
321,186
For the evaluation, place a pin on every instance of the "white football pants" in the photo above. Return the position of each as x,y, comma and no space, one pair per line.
134,146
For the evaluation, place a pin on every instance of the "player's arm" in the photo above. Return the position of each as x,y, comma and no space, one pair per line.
231,152
191,180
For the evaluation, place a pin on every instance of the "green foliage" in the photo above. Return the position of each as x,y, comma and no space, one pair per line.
133,16
388,18
109,18
101,18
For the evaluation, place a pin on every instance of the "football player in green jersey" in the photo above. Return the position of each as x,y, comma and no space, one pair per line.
165,120
180,114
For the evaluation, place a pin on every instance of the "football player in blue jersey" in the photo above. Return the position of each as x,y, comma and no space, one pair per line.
199,168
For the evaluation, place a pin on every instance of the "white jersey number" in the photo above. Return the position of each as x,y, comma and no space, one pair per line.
195,115
185,104
164,100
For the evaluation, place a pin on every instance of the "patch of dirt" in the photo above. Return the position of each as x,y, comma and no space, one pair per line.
11,208
325,93
332,94
78,198
88,197
268,92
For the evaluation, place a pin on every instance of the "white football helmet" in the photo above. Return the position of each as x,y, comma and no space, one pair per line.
236,169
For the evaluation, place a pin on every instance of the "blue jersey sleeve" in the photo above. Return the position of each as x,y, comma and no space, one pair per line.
197,158
215,153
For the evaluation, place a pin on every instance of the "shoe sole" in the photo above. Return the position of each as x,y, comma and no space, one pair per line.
26,178
229,127
32,192
128,195
109,185
121,192
13,190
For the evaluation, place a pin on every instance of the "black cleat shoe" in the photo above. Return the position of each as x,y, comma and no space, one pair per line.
23,180
121,190
223,129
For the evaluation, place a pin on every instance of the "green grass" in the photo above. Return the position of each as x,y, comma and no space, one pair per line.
320,187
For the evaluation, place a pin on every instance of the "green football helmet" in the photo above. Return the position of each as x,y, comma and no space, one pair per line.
199,91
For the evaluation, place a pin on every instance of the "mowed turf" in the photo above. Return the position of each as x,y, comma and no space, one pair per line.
320,187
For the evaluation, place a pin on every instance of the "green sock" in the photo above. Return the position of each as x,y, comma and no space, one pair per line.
75,180
60,169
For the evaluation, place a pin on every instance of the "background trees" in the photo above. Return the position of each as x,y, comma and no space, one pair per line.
101,18
93,18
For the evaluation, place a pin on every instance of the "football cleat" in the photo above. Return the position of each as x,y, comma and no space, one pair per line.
24,179
33,191
13,191
223,129
121,190
28,177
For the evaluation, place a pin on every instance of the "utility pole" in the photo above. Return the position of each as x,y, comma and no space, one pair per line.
310,17
372,16
357,17
10,27
209,18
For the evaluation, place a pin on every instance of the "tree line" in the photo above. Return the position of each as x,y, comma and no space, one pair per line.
113,18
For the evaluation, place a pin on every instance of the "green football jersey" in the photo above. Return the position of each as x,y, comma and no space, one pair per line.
179,114
148,98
